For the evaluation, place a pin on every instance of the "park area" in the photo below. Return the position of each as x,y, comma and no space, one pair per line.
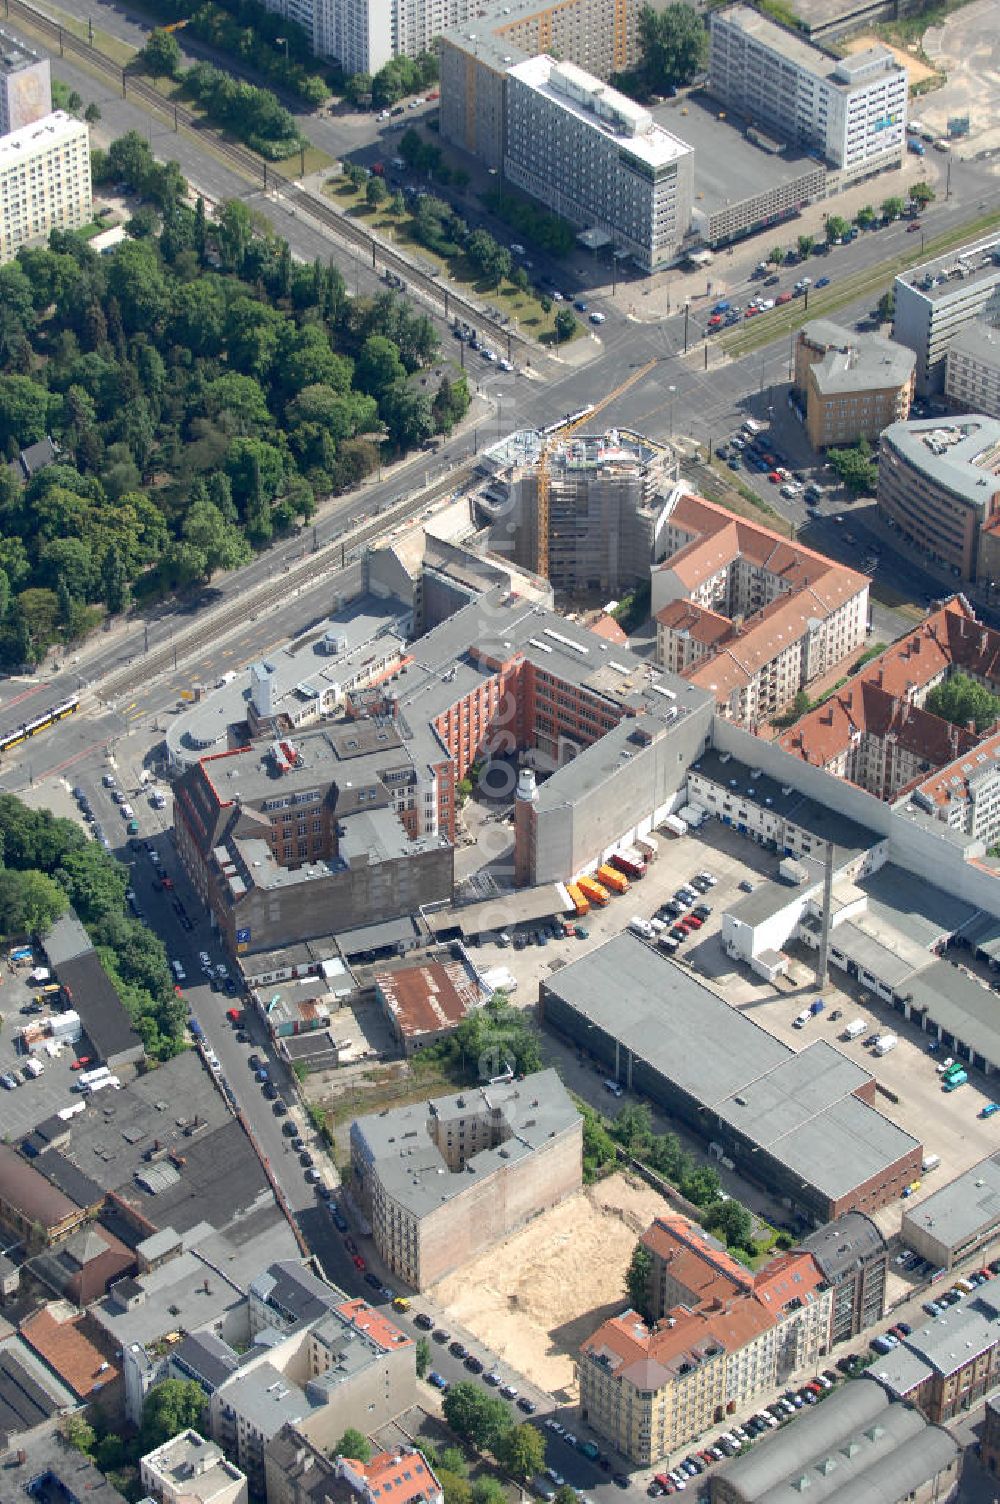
534,1298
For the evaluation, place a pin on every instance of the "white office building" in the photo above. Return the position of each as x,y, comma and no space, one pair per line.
44,181
940,299
849,110
598,159
972,370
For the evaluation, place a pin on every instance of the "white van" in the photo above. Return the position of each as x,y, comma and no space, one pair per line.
180,974
802,1019
641,927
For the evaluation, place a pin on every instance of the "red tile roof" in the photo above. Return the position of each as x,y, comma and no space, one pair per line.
374,1325
693,1260
952,781
398,1477
70,1354
699,622
862,708
608,628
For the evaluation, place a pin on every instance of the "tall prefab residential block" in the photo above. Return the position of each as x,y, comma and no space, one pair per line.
850,110
25,85
598,159
44,181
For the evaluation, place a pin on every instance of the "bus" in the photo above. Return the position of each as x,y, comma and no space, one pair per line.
42,722
100,1085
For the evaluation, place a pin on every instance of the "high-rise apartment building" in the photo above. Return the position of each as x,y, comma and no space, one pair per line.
937,300
851,110
598,159
25,85
363,35
44,181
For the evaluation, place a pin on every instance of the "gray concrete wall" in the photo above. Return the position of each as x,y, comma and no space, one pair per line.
920,845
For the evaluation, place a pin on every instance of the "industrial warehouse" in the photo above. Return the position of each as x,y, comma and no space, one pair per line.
801,1124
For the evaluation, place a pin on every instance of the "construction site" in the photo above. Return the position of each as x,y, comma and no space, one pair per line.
578,505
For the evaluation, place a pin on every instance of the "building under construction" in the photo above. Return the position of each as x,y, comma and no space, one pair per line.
606,493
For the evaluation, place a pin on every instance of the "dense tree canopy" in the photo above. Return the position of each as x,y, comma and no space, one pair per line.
961,700
202,390
46,863
674,45
170,1407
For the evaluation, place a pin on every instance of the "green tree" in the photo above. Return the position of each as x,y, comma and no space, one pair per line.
423,1356
565,324
94,882
637,1278
730,1221
92,113
355,174
30,902
476,1416
854,467
865,217
836,228
234,233
885,312
79,1434
379,366
805,244
566,1494
24,409
961,699
674,45
922,194
406,413
489,1490
221,543
376,192
173,1406
455,1488
892,208
633,1127
161,56
353,1444
776,255
521,1451
453,1461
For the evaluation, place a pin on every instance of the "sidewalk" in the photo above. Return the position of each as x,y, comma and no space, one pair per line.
666,292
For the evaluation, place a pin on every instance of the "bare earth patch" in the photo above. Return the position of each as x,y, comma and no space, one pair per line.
535,1297
917,71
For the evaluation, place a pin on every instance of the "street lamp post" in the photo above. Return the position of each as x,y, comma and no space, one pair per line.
283,42
687,312
673,392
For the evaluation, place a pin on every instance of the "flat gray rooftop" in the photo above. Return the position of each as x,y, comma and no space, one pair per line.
955,272
728,167
849,838
657,1009
413,1170
799,1107
961,1209
955,453
960,1004
914,907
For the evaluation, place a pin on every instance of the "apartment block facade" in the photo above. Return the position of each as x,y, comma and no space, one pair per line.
598,159
746,614
850,110
442,1181
25,85
720,1337
44,181
938,300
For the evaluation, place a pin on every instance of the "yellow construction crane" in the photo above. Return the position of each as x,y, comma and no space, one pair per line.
563,431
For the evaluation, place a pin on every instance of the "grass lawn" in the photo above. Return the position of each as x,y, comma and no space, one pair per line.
523,308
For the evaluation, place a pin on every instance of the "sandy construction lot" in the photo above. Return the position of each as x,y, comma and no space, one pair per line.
916,70
537,1296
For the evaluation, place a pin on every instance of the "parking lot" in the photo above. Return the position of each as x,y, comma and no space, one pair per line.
910,1092
31,1100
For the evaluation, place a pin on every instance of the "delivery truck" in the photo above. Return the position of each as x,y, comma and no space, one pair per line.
612,879
577,899
593,891
886,1042
630,861
854,1029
